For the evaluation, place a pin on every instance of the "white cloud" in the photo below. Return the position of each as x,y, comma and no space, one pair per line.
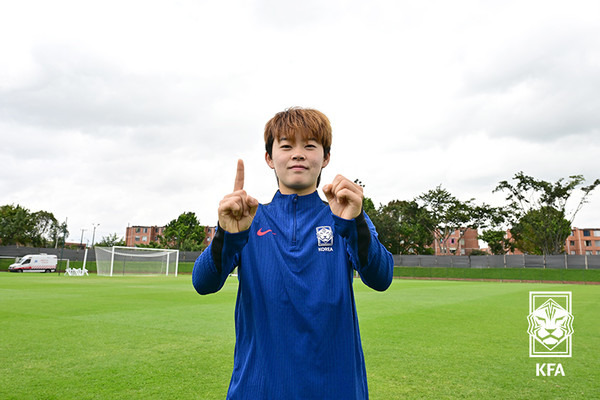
131,112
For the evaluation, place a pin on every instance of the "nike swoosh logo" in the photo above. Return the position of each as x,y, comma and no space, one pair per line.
261,233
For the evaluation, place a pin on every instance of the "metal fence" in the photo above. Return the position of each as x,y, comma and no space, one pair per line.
506,261
74,255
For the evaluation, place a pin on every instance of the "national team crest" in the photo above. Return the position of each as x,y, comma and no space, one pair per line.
325,236
550,324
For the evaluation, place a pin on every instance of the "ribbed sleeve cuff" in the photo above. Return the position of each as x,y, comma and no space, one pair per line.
356,231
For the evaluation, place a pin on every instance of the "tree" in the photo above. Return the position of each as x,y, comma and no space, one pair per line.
15,225
58,234
540,219
368,205
402,227
43,228
151,245
20,226
184,233
110,241
448,214
495,219
497,241
542,231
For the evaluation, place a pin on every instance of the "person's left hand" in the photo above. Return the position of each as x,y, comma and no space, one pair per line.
345,197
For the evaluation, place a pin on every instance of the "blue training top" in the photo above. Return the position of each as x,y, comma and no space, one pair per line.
297,334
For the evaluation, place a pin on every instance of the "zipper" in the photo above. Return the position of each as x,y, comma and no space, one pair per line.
295,201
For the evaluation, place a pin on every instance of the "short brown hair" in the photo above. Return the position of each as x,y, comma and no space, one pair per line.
309,123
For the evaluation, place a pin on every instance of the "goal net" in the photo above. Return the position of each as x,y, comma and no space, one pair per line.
120,260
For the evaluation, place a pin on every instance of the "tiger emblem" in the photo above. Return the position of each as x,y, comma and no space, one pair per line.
550,324
325,236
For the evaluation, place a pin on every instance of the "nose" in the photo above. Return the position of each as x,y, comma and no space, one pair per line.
298,157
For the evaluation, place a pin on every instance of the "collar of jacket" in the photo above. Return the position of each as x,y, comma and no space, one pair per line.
309,200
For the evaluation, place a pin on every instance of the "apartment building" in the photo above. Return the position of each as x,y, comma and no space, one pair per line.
457,245
585,241
136,235
581,242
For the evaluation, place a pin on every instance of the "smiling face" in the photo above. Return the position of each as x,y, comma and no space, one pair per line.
298,141
297,163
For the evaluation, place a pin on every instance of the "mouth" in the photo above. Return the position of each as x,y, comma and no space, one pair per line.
298,167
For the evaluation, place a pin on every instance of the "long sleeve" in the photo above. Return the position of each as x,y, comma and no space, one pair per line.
370,258
296,321
214,265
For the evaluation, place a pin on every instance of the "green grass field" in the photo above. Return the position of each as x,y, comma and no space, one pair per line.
155,338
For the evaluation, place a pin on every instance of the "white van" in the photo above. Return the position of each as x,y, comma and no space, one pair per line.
35,263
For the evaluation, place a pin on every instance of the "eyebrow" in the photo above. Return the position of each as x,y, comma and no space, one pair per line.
286,139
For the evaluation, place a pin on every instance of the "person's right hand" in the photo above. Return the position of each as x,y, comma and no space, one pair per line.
237,209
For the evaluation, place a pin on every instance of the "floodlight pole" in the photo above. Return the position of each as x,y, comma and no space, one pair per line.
94,234
81,240
63,244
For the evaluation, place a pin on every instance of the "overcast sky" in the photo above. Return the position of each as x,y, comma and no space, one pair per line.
132,112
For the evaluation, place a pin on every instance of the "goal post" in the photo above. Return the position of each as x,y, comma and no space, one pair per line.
121,260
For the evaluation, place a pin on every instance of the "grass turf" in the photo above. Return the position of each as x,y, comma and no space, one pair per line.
154,338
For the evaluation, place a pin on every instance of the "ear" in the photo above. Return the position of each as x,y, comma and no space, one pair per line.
326,160
269,160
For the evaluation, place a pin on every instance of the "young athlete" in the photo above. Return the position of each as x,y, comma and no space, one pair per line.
297,334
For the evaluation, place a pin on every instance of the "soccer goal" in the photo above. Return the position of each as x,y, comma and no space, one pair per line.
120,260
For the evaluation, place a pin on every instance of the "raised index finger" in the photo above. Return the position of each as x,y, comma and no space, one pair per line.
239,176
